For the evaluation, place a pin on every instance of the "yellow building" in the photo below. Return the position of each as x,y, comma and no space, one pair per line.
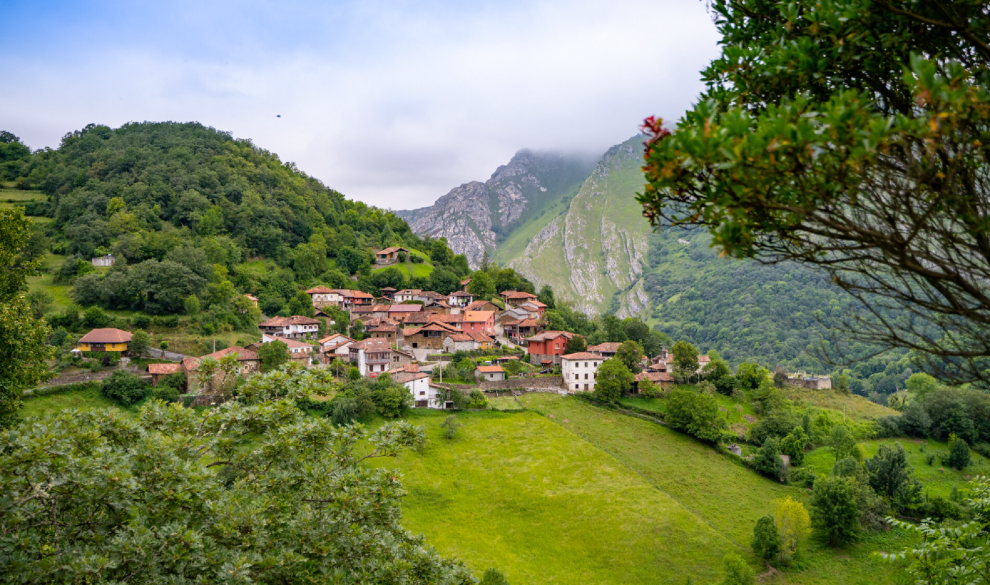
105,340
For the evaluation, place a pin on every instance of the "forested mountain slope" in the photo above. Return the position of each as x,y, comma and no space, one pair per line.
477,217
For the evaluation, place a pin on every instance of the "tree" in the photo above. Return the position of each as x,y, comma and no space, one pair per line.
695,414
834,513
481,286
843,443
630,353
273,355
792,522
546,297
780,377
279,472
717,372
124,388
444,280
140,342
767,459
450,426
685,360
867,161
889,470
612,380
23,352
793,445
440,253
737,572
302,304
576,344
750,376
958,454
766,541
921,384
192,305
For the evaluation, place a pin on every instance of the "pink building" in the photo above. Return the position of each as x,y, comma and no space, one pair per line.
480,321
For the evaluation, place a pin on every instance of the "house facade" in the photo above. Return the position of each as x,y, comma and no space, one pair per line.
373,357
426,337
661,379
295,327
160,371
324,297
579,370
514,298
479,321
103,260
489,373
546,348
299,351
460,299
424,394
606,350
248,363
455,342
108,339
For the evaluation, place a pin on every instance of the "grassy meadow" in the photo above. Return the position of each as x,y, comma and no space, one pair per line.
551,489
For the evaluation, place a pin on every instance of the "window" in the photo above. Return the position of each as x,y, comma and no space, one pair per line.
585,386
576,386
594,364
586,376
586,364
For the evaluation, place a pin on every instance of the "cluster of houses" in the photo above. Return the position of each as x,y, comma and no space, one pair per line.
403,328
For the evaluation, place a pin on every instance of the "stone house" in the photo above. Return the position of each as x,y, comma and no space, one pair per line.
248,362
472,341
579,370
389,255
606,350
323,297
374,357
429,336
517,331
661,379
514,298
482,305
160,371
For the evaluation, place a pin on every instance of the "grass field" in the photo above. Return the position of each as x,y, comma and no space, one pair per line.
853,406
84,400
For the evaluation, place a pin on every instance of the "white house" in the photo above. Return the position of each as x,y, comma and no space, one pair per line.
424,394
335,345
103,260
489,373
460,299
295,327
323,296
579,370
298,350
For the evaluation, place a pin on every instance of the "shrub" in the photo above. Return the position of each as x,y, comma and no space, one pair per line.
767,459
737,572
959,457
343,410
166,393
392,400
766,540
176,380
450,426
141,321
776,424
124,388
166,321
695,414
493,577
793,445
477,399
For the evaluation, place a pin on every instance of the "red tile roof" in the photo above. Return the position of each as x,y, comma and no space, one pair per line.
243,355
405,308
581,355
607,347
490,369
319,290
548,335
392,249
478,316
515,294
164,368
109,335
403,377
286,321
654,377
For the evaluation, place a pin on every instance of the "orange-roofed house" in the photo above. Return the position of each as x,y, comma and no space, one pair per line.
248,362
389,255
324,297
295,327
109,339
606,350
661,379
480,321
489,373
514,298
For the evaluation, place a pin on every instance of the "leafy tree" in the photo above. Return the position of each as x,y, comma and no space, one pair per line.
444,280
685,360
392,400
793,445
888,123
750,376
834,513
576,344
273,355
717,372
124,388
921,384
792,522
440,254
192,305
766,542
292,524
450,426
630,353
889,470
780,377
302,304
140,342
843,443
737,572
478,399
481,286
767,459
612,380
23,352
546,297
958,454
695,414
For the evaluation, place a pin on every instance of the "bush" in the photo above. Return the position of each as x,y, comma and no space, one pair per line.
493,577
166,321
124,388
176,380
695,414
141,321
959,457
166,393
776,424
477,399
450,425
834,513
391,400
612,380
767,459
737,572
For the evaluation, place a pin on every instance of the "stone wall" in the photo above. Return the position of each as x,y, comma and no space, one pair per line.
542,383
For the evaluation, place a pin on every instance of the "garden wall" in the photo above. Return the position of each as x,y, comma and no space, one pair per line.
542,383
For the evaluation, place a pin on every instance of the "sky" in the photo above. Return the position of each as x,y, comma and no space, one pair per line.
391,103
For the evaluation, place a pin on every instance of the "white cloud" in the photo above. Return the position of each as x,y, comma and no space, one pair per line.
397,107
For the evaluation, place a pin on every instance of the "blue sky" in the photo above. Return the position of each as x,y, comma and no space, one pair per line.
392,103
